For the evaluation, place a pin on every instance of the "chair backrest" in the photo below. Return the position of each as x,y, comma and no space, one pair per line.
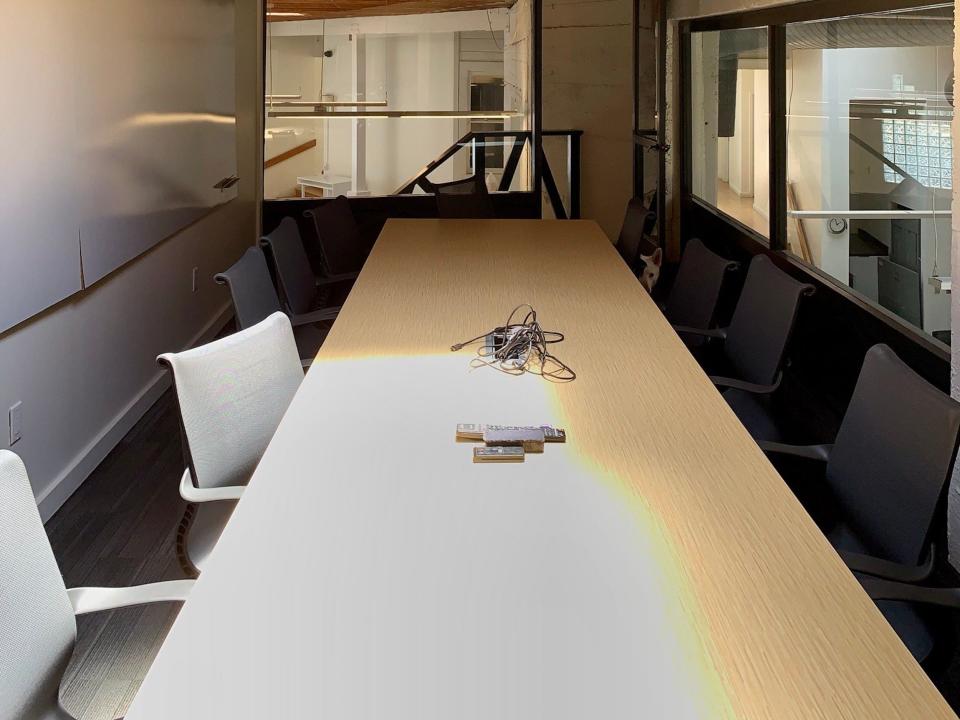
37,625
232,394
472,185
467,198
631,232
696,288
338,236
254,297
292,266
763,321
893,457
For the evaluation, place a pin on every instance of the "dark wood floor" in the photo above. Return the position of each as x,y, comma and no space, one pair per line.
119,529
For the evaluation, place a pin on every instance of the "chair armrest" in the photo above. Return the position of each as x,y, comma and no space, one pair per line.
315,316
880,589
342,277
888,569
200,495
714,333
749,387
95,599
810,452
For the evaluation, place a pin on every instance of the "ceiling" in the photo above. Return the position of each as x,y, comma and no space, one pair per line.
296,10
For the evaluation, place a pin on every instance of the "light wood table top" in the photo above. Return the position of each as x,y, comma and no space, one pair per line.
654,566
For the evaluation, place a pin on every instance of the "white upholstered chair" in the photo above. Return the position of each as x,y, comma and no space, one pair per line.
38,628
232,394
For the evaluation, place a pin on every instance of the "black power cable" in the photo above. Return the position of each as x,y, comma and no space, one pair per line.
519,347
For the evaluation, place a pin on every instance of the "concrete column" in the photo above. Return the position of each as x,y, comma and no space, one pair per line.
588,85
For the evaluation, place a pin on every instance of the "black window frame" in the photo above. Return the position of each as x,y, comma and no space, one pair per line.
776,19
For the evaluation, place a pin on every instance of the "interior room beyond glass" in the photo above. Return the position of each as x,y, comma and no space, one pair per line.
869,157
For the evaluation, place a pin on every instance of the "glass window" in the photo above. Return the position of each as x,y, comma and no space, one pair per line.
869,156
360,106
730,121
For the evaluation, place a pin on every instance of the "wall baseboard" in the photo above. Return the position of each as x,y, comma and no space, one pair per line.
67,483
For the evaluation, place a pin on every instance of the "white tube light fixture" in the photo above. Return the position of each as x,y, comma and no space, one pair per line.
326,103
423,114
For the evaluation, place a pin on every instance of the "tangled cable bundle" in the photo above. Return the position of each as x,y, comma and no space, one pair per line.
519,347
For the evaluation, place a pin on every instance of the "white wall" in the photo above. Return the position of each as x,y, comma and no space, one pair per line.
420,73
739,152
85,369
761,145
412,72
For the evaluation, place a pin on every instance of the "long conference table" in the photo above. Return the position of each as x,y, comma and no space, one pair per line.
654,566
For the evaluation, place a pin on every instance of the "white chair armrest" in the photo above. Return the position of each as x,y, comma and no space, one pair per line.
199,495
96,599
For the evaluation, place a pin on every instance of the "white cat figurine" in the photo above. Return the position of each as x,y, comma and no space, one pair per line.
651,269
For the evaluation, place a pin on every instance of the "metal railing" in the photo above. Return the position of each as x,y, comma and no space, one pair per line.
868,214
477,142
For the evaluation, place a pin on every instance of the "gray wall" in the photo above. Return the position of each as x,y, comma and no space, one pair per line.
85,370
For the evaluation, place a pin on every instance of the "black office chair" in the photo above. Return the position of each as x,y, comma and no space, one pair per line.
755,343
632,233
693,298
302,291
255,299
887,473
337,250
460,199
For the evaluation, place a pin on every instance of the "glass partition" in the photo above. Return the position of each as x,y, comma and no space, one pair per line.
360,106
729,124
869,157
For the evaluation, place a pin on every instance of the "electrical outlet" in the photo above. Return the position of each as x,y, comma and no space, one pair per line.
16,422
194,277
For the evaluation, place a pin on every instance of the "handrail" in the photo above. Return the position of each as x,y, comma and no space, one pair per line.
292,152
867,214
520,138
